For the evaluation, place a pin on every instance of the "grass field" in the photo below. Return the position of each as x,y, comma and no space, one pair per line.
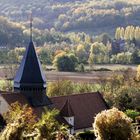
90,76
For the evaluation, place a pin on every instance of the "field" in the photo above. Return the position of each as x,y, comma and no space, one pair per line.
93,76
89,76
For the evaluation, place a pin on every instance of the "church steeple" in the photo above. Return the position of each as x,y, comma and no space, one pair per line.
30,79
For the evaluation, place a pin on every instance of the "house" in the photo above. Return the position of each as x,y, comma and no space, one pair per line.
78,110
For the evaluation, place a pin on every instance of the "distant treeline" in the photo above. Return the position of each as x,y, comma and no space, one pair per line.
91,16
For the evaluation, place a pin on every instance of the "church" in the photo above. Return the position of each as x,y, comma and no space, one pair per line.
77,110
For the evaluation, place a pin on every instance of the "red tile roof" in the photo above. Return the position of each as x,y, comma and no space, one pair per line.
84,106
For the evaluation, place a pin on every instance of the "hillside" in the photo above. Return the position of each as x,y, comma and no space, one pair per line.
90,16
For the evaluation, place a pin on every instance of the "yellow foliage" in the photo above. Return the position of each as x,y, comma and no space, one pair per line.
138,73
80,47
113,124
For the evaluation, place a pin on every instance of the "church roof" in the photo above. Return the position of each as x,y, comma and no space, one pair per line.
66,110
17,97
30,72
84,106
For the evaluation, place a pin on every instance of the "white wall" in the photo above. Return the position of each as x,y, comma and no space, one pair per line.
3,105
70,121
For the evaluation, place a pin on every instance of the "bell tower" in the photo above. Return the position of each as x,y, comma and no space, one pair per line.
30,79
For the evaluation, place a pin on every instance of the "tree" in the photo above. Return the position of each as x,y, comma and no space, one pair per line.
136,57
19,119
22,124
99,53
81,53
138,73
91,57
132,114
112,125
49,128
118,33
81,68
59,88
65,62
44,55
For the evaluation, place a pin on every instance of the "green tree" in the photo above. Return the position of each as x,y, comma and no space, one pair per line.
65,62
49,128
99,53
44,55
81,53
91,57
59,88
136,56
132,114
81,67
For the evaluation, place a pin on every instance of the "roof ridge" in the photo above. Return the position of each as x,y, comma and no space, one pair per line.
67,110
76,94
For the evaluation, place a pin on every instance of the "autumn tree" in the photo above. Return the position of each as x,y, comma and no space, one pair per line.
81,53
23,124
138,73
112,125
19,119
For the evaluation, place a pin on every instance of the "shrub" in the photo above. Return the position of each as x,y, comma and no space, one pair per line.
112,125
65,62
132,114
81,68
59,88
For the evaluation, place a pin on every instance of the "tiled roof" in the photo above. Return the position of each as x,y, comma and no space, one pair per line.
84,106
66,110
14,97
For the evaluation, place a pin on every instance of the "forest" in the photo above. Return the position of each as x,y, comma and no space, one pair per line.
89,16
85,29
51,45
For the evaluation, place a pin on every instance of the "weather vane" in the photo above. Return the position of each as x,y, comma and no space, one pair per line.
31,30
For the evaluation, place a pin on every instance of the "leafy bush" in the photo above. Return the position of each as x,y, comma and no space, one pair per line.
22,124
59,88
132,114
112,125
65,62
81,68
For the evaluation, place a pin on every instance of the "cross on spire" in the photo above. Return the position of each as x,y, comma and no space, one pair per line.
31,24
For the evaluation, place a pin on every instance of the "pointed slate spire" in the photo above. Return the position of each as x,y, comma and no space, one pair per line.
66,110
30,79
30,71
